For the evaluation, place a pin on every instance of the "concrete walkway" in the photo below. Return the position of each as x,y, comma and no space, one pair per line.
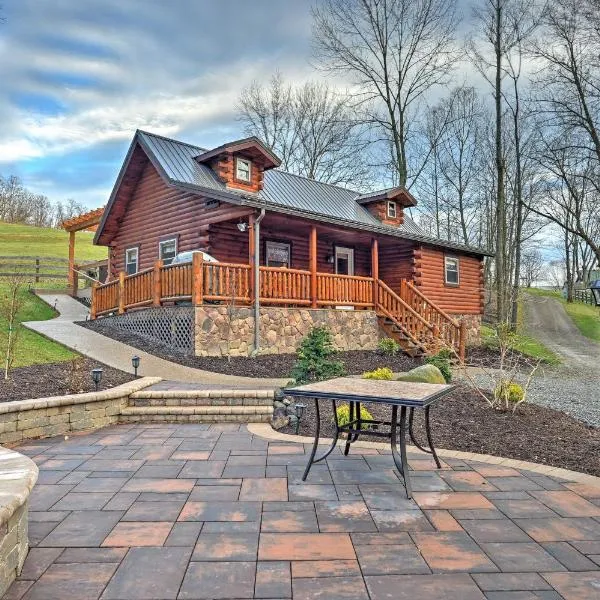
118,355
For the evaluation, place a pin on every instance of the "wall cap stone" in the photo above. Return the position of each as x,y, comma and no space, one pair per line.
119,391
18,475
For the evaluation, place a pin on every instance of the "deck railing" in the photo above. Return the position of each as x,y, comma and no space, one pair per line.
421,321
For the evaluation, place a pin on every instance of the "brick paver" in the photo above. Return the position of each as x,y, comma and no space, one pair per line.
176,511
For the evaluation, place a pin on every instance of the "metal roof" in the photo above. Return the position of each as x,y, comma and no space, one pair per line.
281,191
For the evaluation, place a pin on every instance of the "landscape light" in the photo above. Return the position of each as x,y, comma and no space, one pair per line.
135,363
97,377
299,408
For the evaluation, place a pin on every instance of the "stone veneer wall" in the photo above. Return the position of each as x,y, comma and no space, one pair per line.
44,417
18,475
281,329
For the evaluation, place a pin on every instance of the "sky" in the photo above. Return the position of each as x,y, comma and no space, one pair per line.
77,77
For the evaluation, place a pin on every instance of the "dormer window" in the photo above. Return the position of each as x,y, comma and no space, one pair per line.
391,210
242,169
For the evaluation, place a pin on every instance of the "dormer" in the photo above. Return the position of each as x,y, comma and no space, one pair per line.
388,205
241,164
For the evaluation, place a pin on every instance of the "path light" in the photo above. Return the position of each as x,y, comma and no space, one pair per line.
97,377
299,408
135,363
595,287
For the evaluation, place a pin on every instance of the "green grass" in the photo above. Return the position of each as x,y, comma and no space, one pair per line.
525,344
585,316
32,348
26,240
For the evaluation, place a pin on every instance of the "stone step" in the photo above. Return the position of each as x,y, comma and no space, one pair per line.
197,414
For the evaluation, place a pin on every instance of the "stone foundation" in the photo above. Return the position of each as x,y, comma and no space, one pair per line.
222,331
473,328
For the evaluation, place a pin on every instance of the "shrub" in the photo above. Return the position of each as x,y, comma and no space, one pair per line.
314,363
509,392
389,346
441,360
343,415
381,373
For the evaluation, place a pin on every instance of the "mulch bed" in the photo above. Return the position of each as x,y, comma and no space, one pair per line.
269,365
57,379
464,421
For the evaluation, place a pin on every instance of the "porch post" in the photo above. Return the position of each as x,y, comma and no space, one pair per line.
121,292
71,259
251,250
156,288
312,259
197,278
375,268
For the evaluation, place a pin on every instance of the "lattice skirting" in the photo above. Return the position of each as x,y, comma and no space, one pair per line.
172,326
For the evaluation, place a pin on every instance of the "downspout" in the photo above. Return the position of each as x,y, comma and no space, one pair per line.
257,281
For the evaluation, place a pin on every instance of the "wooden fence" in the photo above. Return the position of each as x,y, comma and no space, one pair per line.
34,268
584,296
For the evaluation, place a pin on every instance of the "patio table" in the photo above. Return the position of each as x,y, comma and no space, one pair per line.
402,395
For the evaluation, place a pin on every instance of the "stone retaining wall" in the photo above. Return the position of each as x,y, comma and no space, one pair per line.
222,331
18,475
45,417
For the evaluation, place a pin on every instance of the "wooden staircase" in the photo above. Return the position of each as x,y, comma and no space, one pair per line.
416,323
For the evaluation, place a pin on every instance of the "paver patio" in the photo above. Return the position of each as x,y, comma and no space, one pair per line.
159,512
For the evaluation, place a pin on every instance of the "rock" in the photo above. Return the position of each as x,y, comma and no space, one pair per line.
279,422
423,374
293,419
278,404
290,410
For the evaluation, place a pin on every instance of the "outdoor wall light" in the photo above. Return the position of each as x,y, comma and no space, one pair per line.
135,363
299,408
330,259
242,226
97,377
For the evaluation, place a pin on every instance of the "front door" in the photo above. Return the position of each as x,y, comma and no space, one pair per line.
344,260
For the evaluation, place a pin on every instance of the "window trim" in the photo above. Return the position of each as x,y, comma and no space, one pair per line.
239,179
391,204
137,259
287,243
164,240
351,258
457,260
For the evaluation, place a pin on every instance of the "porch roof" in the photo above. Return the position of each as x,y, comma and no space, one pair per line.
282,192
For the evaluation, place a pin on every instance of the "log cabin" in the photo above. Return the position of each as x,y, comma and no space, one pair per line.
281,240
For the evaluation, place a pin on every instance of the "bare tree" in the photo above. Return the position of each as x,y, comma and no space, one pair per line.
395,52
310,127
11,302
532,262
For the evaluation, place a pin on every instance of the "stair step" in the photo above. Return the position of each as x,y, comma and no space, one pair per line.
198,414
211,393
186,401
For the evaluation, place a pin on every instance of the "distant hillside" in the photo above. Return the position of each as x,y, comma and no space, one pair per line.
26,240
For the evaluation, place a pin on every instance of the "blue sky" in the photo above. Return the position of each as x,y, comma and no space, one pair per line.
79,76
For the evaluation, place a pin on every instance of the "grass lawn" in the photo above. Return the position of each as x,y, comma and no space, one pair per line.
525,344
31,348
585,316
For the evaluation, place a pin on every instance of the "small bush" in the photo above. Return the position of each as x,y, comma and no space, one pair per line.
441,360
343,415
314,363
389,346
509,392
382,373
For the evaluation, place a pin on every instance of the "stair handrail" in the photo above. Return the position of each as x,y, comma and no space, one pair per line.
405,304
433,305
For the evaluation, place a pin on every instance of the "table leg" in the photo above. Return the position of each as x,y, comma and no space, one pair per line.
427,431
400,458
312,460
350,438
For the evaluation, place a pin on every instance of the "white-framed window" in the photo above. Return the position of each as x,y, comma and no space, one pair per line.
391,210
131,260
278,254
242,169
451,270
167,250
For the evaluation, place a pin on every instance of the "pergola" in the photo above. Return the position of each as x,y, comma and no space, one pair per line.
86,221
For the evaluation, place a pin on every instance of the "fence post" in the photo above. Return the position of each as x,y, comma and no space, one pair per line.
156,289
121,292
93,301
462,341
197,278
37,270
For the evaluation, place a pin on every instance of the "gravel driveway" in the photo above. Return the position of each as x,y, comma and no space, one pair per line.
573,386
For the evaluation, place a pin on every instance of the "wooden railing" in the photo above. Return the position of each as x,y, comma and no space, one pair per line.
344,290
420,320
284,286
449,331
